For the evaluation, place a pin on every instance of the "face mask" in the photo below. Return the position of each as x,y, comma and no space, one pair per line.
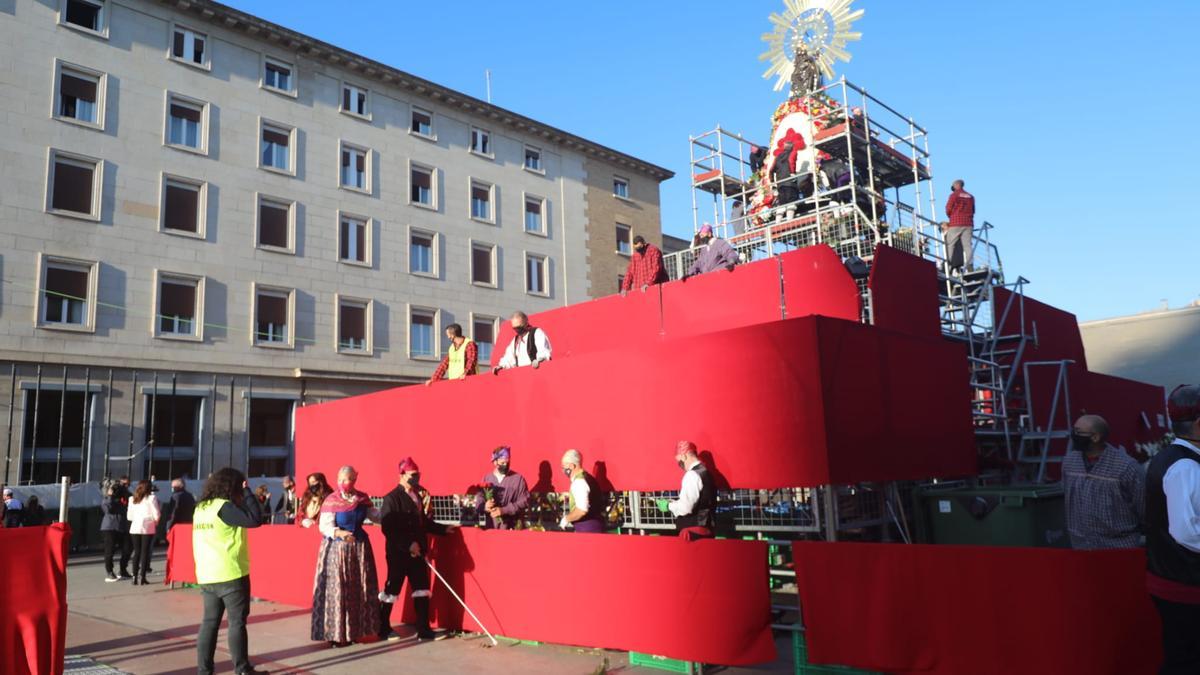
520,330
679,462
567,471
502,469
414,480
346,485
1081,442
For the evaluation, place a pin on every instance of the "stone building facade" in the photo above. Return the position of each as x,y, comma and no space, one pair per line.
201,202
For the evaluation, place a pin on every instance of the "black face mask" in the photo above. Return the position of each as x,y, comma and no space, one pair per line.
502,469
414,481
680,463
520,330
1081,442
567,471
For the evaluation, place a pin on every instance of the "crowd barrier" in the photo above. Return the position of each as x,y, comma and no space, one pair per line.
982,610
704,601
33,588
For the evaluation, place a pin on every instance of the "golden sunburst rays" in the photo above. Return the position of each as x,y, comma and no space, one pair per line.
820,26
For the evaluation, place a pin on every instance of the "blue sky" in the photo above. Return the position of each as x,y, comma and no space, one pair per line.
1073,123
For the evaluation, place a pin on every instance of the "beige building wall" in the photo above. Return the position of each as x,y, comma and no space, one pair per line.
638,211
127,250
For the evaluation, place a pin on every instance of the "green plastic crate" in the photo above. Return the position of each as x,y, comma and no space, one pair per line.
661,663
803,667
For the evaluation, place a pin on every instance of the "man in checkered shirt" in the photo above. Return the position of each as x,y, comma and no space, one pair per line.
1105,490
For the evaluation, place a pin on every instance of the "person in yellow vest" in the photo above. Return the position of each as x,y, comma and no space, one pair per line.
219,546
461,357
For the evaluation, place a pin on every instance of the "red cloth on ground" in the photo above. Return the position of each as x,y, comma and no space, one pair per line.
977,609
704,601
33,590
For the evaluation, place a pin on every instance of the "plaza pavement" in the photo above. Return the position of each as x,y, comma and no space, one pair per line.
152,630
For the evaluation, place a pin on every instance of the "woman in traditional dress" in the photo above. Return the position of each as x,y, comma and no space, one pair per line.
346,589
310,502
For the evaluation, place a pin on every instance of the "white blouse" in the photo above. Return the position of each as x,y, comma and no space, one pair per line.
143,516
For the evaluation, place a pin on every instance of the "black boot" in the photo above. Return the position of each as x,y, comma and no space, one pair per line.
421,605
385,621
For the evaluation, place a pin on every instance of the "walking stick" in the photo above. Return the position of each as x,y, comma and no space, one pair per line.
460,601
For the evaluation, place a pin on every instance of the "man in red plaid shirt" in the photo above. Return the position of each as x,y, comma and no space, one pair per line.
960,209
461,357
645,267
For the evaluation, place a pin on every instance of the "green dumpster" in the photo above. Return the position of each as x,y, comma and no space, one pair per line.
1026,515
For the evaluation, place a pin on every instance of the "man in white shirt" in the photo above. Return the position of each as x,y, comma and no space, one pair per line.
529,347
585,503
1173,534
697,501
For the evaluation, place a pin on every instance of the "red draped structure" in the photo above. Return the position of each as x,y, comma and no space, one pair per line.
802,402
33,591
977,609
704,601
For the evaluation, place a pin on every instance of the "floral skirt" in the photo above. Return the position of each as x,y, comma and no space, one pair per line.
345,591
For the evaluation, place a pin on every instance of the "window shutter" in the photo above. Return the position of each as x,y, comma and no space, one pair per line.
65,282
181,208
77,87
72,187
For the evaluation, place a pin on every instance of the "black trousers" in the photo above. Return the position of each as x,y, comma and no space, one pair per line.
113,540
234,597
141,553
403,566
1180,637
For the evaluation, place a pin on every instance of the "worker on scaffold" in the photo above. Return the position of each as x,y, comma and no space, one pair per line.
960,209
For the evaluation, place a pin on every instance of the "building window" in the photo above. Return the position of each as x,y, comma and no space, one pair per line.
79,95
354,101
90,15
186,123
620,187
624,240
172,426
422,336
422,256
180,303
275,223
278,76
190,47
483,264
535,216
354,240
354,326
422,123
272,317
74,185
421,182
481,201
483,332
354,174
68,289
182,206
533,159
57,425
270,435
481,142
277,147
536,282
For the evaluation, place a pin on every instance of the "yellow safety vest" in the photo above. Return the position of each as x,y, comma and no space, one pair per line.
457,367
220,550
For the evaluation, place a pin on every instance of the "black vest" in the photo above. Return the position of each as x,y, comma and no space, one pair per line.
702,511
530,345
1164,557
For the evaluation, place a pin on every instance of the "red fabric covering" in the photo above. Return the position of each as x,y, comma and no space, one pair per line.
703,601
904,293
803,402
33,587
977,609
814,282
1127,405
1057,331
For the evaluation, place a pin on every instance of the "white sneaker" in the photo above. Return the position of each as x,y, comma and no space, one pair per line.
110,579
